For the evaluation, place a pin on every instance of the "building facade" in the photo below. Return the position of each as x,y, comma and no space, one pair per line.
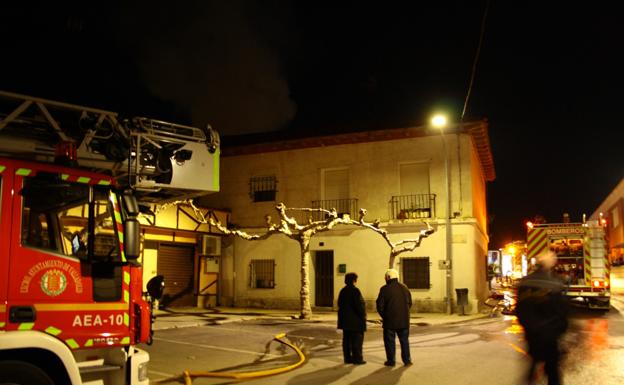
397,175
612,209
181,247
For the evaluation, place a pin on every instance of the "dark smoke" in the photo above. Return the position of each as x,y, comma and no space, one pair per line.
216,60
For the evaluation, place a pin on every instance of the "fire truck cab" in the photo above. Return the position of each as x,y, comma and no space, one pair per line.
71,303
72,306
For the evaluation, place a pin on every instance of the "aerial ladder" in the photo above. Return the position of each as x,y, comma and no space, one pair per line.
160,161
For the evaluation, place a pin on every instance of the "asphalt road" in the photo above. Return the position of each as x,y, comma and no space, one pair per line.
489,351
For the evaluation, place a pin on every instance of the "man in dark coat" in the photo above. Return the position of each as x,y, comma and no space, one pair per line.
542,312
352,320
393,305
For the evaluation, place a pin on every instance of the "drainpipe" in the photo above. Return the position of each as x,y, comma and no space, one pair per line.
449,244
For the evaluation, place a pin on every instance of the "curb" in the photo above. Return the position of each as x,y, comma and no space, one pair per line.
617,303
175,322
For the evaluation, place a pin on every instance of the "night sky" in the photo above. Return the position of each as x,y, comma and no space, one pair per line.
548,79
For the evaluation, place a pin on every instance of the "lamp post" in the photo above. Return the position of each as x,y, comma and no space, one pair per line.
440,121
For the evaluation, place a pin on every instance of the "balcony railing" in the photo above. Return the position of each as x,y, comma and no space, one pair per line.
412,206
343,206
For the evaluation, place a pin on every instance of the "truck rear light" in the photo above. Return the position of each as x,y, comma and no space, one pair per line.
598,283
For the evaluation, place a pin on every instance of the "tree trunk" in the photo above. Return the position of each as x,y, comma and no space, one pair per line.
391,260
306,309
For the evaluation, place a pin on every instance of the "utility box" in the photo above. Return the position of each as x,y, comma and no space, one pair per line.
210,246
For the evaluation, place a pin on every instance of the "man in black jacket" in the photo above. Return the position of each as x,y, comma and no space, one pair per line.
352,320
393,305
542,312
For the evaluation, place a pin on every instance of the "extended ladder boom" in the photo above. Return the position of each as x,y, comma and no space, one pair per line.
162,161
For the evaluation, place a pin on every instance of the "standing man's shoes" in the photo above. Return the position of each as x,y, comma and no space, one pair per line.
389,363
408,363
359,363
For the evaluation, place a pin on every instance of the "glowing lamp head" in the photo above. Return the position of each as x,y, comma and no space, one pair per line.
438,121
529,225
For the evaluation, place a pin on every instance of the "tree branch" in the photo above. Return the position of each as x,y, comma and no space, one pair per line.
289,226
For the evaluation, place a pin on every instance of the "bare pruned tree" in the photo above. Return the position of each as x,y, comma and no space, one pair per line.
302,233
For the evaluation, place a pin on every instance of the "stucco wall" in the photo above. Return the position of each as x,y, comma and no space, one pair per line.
168,221
613,205
478,190
374,178
366,253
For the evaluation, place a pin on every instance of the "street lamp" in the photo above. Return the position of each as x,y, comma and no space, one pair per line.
440,121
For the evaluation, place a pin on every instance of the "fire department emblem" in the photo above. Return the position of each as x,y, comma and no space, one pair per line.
53,282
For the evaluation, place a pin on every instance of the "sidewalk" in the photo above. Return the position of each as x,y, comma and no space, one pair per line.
189,317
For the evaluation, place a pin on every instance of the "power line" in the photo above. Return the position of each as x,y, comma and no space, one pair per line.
476,60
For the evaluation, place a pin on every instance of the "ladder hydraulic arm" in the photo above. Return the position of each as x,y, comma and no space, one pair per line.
161,161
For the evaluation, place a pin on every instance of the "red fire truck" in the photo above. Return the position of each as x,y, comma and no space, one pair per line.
582,258
72,307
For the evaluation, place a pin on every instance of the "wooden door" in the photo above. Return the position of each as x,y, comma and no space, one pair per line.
324,278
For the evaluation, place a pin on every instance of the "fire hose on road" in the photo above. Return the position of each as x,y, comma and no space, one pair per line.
189,375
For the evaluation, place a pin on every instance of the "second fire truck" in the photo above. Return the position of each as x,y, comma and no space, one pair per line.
582,258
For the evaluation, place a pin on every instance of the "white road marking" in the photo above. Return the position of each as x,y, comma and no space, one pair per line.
217,347
162,374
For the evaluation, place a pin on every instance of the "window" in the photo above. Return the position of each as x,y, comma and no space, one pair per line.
335,192
336,184
414,178
55,216
262,273
416,272
263,188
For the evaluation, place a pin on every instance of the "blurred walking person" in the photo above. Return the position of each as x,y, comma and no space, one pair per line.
542,312
393,305
352,320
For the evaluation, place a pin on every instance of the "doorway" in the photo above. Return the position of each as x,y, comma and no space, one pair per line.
324,278
176,263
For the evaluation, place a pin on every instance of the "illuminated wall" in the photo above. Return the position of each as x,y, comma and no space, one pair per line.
373,179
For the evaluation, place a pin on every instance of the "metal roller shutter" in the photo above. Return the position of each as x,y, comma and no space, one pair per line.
176,263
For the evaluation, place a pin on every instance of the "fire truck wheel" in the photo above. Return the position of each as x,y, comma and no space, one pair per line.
22,373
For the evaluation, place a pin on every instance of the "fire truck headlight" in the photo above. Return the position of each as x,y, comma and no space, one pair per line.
143,371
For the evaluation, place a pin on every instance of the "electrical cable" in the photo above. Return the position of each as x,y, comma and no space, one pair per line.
476,61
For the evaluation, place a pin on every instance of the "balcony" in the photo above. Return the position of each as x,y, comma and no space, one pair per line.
412,206
343,206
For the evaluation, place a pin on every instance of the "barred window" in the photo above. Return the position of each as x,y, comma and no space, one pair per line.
262,273
416,272
263,188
